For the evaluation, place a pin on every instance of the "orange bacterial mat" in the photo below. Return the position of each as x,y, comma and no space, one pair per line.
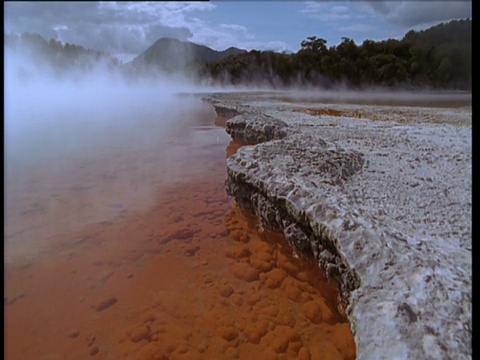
90,273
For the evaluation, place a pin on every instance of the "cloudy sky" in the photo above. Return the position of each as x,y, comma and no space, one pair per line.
125,29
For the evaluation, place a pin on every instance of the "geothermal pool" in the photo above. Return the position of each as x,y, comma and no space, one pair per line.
121,243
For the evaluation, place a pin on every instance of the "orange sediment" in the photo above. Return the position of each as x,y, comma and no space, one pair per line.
330,112
193,277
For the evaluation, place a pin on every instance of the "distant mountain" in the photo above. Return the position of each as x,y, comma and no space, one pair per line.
30,53
438,57
168,54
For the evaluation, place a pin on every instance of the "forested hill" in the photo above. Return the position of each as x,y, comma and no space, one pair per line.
438,57
169,55
444,34
38,53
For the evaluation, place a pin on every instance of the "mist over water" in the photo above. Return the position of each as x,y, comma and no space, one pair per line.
116,209
74,116
68,131
97,141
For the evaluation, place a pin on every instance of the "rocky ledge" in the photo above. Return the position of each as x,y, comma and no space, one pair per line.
384,207
254,128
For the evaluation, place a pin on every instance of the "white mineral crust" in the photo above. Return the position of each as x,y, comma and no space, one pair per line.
403,222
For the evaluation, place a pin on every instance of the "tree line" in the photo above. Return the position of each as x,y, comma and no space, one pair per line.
62,58
438,57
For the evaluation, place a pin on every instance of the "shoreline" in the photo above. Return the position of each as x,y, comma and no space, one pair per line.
179,272
384,204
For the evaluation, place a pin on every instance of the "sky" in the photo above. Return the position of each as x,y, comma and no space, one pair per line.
126,29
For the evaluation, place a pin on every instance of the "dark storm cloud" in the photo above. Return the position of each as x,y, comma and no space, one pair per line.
412,13
118,28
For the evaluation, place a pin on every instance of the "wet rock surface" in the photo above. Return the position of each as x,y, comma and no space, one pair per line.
383,203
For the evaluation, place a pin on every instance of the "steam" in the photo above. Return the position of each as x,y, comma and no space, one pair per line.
76,143
77,113
98,118
86,141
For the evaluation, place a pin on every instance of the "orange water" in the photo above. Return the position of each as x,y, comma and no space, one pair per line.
142,255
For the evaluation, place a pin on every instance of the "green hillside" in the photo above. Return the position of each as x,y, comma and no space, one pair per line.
439,57
59,57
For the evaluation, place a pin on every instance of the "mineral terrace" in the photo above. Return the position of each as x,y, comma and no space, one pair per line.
381,196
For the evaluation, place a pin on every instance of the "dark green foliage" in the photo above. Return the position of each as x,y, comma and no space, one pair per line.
62,58
438,57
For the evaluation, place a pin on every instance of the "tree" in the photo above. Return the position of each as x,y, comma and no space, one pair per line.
314,44
444,71
439,56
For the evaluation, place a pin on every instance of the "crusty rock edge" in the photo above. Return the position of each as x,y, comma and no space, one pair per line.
308,237
411,283
301,231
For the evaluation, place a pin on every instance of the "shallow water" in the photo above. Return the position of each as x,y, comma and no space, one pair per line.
131,249
435,99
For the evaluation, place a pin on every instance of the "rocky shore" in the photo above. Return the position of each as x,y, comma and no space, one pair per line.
381,196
